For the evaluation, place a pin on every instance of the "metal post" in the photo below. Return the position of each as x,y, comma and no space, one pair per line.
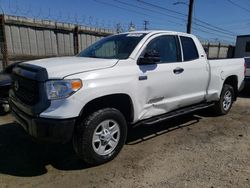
145,23
76,41
208,48
190,15
218,52
3,42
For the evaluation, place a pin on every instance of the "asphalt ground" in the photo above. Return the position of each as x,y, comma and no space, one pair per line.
197,150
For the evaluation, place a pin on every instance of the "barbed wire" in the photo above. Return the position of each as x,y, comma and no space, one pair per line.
17,9
14,8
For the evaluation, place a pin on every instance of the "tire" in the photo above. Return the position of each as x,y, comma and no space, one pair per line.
223,106
2,110
100,137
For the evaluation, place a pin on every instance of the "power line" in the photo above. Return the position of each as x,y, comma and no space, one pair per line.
153,23
133,11
198,29
159,7
147,9
239,6
122,8
139,13
198,20
218,32
247,2
209,39
226,24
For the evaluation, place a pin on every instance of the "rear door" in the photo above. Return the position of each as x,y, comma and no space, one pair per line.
195,75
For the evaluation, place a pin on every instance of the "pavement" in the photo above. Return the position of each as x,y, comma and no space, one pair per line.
197,150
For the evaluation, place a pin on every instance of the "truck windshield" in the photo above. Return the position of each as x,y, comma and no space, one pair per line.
113,47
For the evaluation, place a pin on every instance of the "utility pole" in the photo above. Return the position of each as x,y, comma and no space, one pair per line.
190,15
131,27
119,28
145,23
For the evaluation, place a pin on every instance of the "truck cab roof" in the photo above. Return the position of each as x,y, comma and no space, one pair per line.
153,32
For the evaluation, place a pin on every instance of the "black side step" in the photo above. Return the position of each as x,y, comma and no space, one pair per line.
173,114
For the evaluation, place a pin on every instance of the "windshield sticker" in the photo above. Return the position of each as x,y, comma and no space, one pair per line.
134,35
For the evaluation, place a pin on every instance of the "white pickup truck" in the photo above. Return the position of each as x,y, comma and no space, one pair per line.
122,80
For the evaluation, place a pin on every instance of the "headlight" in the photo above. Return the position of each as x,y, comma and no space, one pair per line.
60,89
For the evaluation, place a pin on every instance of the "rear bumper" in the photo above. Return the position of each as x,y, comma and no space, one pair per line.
43,129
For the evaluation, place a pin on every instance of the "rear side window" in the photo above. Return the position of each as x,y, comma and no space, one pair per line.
189,49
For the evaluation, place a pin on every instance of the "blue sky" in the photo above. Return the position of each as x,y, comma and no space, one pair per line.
214,20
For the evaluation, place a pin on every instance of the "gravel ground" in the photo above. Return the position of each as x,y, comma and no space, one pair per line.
197,150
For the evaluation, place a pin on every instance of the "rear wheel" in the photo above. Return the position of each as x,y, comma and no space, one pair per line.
101,136
224,105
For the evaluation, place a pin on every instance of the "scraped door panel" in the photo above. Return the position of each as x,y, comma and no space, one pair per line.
171,84
161,91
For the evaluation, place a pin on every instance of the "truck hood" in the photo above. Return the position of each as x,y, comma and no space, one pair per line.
61,67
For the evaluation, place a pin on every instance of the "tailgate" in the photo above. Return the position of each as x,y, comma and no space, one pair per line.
247,60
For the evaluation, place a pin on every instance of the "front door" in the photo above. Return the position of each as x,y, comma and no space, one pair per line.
170,83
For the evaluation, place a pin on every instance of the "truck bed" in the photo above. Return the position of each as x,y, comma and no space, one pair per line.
220,70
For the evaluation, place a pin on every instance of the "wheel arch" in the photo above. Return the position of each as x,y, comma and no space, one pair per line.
232,81
119,101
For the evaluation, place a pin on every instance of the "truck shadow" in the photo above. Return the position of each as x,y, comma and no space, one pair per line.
21,156
143,133
245,93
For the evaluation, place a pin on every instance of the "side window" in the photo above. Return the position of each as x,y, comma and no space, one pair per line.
166,47
189,49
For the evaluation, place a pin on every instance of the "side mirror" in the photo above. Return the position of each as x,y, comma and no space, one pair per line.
150,57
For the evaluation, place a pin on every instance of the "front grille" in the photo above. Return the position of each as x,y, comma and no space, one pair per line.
25,89
4,91
28,93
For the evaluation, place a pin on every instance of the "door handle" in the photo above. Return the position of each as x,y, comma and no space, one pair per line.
178,70
143,77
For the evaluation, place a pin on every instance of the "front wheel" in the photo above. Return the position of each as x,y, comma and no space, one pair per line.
2,112
4,109
224,105
100,136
